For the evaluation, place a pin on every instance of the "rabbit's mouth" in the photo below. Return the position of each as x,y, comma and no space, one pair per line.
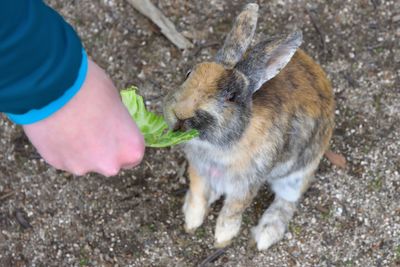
181,125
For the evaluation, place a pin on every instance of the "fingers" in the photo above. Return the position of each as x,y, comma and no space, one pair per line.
107,170
132,144
92,133
129,155
133,152
110,170
103,158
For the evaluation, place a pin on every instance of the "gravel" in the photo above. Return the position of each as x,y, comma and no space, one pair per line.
349,217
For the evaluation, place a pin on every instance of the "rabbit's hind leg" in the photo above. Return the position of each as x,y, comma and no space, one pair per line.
275,220
272,225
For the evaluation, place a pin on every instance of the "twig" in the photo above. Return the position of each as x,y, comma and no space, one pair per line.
6,195
374,3
296,262
374,46
319,32
146,8
179,192
181,170
213,257
199,48
350,80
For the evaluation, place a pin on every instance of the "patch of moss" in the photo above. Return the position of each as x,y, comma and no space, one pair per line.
376,184
379,50
84,262
152,228
295,229
200,233
349,263
378,102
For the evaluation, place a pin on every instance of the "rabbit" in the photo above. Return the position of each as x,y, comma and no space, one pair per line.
265,115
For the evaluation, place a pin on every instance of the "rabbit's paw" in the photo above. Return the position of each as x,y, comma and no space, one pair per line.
265,235
225,231
194,212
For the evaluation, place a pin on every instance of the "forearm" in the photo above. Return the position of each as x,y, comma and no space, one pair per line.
42,64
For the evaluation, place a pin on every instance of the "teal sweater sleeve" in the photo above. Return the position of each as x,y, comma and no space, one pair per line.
42,62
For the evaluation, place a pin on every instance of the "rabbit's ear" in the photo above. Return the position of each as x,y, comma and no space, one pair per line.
239,37
267,59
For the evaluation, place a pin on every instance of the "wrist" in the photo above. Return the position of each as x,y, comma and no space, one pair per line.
36,115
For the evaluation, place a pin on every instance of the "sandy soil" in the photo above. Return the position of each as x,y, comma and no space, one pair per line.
348,218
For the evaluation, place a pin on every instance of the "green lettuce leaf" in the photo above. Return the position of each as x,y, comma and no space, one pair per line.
153,127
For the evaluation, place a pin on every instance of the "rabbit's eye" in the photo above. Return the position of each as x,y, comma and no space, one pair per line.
231,97
188,73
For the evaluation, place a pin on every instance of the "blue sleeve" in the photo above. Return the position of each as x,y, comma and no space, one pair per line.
42,62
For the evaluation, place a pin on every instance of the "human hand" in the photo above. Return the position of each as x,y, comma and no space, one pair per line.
92,132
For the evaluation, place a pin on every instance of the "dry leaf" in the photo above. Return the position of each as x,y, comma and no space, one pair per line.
336,159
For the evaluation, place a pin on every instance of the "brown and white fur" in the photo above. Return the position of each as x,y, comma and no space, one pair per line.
265,115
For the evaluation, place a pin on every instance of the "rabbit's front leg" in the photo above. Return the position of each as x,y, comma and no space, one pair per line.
230,218
197,200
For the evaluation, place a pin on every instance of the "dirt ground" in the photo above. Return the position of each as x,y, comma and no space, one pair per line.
348,218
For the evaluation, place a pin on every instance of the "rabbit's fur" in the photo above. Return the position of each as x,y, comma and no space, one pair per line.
264,116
